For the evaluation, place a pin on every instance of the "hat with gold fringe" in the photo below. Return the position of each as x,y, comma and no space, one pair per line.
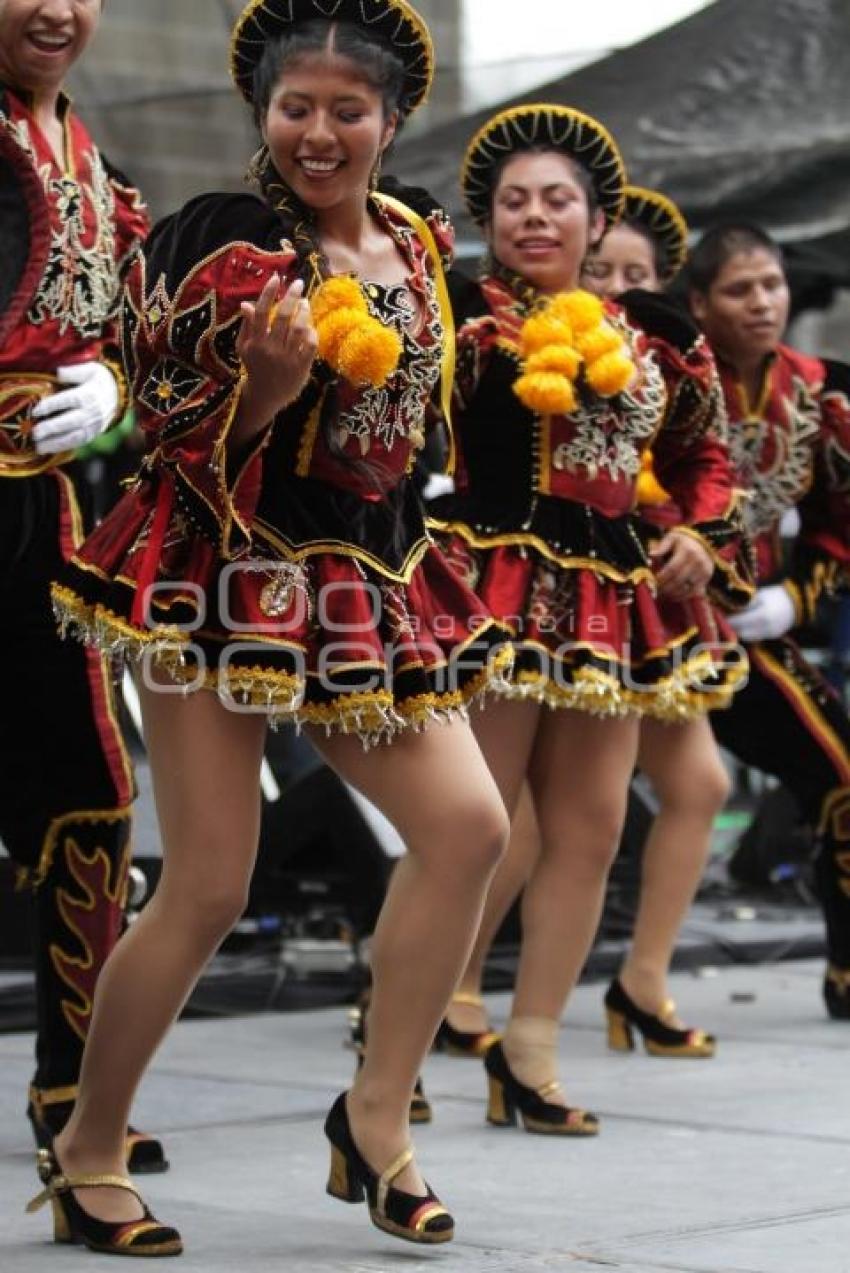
395,21
664,223
543,124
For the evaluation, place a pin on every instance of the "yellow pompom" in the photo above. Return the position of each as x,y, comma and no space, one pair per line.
541,330
582,310
369,354
610,374
333,328
601,340
560,358
546,393
337,293
649,489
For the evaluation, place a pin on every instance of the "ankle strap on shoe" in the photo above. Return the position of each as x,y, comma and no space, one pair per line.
387,1177
41,1097
463,996
64,1184
552,1088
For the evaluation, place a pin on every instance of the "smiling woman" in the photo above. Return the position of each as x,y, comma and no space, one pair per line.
272,560
40,42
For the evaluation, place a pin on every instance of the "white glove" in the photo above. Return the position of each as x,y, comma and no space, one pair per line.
72,417
438,484
770,614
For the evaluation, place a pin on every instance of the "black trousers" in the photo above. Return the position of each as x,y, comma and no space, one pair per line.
788,721
66,781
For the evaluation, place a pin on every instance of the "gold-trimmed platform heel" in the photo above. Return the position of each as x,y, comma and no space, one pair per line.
464,1043
659,1037
49,1109
73,1224
507,1098
403,1215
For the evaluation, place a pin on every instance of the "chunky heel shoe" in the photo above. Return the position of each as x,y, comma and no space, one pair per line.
403,1215
50,1108
420,1106
836,992
507,1097
659,1037
71,1223
465,1043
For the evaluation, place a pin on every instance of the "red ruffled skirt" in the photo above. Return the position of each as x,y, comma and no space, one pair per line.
358,637
591,633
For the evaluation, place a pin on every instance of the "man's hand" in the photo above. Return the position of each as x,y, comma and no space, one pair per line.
72,417
770,614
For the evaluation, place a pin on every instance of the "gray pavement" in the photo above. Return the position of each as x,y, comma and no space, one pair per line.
740,1164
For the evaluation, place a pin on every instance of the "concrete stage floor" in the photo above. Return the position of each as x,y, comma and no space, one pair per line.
740,1164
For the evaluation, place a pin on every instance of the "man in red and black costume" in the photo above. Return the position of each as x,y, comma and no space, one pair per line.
68,224
789,418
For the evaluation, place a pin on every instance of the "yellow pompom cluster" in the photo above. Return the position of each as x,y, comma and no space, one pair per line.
649,489
567,336
355,344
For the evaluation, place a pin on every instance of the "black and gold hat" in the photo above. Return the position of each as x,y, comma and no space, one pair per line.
394,20
577,135
663,221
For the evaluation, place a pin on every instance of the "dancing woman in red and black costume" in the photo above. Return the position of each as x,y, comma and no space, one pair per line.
789,434
543,527
69,224
273,559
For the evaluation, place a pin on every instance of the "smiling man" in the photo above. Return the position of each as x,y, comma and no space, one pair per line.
789,426
68,224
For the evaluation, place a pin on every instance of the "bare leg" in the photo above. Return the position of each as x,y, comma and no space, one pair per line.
688,776
508,882
579,774
205,762
435,788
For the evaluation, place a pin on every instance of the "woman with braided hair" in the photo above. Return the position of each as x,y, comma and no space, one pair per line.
283,351
558,395
645,249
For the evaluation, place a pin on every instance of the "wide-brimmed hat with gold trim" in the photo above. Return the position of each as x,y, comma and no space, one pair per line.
543,124
395,21
664,223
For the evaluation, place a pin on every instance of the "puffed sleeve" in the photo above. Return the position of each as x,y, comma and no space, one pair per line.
690,451
181,318
820,560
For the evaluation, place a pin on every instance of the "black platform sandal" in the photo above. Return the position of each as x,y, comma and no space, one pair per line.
73,1224
403,1215
464,1043
659,1037
507,1097
49,1109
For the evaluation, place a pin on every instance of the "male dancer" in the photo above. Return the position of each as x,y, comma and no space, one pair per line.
68,224
789,418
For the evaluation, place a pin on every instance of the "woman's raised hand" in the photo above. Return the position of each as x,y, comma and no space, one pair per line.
277,345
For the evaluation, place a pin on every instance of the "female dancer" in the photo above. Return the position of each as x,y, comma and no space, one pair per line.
645,249
558,398
271,551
